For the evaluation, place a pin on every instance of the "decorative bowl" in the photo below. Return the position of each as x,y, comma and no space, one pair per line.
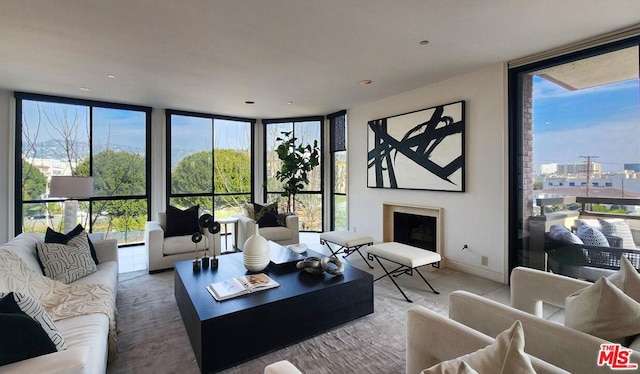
298,248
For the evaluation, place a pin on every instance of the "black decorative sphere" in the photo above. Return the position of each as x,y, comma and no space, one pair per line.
196,237
214,227
205,220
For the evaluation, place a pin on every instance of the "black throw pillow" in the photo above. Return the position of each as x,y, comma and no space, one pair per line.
266,215
22,338
22,304
57,237
182,222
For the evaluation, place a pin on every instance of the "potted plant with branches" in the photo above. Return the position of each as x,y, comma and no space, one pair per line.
297,162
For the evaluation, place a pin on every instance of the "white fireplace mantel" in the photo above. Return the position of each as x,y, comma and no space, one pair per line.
387,222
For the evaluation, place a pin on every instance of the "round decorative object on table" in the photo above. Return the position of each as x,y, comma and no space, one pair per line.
316,265
214,227
196,238
205,220
310,265
337,270
297,248
256,252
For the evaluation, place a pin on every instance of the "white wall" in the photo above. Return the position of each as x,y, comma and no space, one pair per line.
477,217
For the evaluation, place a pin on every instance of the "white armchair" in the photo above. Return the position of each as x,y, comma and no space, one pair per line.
284,235
163,252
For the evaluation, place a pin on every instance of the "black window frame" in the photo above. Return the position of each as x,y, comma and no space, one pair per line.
21,96
333,148
321,192
170,112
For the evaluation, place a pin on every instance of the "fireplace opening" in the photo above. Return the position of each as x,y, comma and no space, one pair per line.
415,230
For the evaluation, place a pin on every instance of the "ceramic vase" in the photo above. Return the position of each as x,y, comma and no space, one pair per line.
256,252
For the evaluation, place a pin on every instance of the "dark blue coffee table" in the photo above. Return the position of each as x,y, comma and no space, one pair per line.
226,333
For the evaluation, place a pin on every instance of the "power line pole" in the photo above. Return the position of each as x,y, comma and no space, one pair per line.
588,170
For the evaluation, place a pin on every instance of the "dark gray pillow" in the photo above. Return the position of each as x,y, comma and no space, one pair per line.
266,215
16,302
22,338
559,232
182,222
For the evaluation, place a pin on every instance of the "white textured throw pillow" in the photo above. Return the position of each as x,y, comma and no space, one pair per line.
505,355
593,222
603,310
618,227
67,262
33,309
592,236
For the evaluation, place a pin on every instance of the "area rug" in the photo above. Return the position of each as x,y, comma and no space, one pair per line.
153,339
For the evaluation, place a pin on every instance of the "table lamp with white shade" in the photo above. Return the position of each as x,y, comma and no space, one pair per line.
71,188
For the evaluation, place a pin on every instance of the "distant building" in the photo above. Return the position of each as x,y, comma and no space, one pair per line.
622,184
632,167
572,169
594,169
51,167
548,168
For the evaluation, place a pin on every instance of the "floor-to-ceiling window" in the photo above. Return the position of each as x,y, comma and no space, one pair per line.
69,137
338,157
574,131
209,162
309,203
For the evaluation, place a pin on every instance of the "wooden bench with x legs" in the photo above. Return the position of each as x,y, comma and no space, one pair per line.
408,258
348,241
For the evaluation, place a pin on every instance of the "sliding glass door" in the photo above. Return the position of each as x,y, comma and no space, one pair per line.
574,132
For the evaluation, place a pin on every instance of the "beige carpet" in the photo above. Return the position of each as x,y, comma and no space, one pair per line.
153,338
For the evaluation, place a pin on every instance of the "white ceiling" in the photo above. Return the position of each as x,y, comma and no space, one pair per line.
213,55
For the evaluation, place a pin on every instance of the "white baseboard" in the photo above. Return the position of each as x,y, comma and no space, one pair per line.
488,274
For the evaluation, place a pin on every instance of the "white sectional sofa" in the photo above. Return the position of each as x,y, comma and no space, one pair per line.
475,321
86,335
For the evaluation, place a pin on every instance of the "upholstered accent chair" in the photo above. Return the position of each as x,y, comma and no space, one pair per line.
285,232
163,251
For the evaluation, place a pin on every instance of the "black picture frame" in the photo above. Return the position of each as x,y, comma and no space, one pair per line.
420,150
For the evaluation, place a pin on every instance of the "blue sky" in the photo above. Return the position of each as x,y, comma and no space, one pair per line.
602,121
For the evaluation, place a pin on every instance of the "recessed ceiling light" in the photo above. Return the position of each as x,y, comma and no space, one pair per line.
366,82
111,76
424,42
84,89
249,102
290,102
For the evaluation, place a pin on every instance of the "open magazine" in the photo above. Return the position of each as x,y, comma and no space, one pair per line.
243,285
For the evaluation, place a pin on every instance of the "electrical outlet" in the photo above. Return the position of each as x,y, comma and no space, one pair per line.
484,260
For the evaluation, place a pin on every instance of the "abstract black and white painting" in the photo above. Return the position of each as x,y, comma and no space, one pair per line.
418,150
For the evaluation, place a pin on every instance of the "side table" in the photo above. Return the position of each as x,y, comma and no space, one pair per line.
226,222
